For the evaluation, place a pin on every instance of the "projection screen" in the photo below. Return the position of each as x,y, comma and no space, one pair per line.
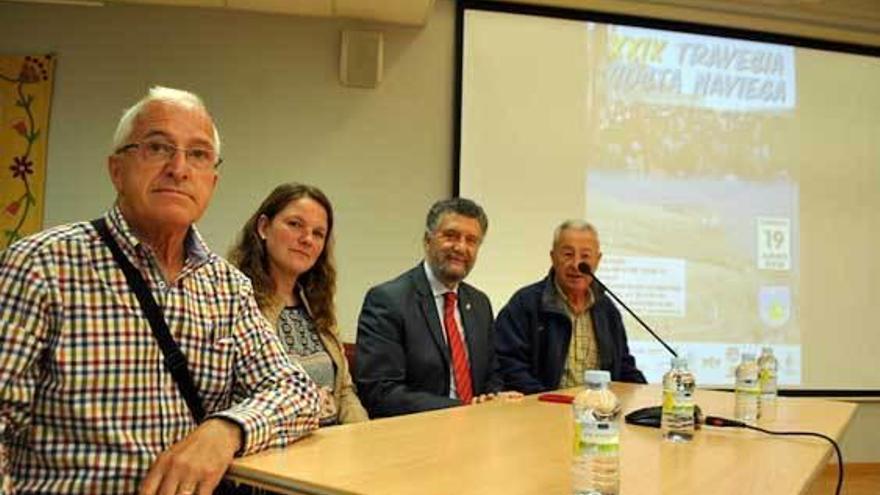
735,185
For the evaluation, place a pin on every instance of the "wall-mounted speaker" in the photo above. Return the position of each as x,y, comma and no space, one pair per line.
360,59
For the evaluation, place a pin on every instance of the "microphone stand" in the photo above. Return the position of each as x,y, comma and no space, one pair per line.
646,416
586,270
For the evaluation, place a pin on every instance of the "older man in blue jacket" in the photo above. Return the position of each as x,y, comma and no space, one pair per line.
551,331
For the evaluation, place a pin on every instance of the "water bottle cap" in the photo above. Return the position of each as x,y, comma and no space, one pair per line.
597,376
767,349
679,362
748,356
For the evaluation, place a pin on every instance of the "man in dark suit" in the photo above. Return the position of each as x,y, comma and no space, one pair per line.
425,338
553,330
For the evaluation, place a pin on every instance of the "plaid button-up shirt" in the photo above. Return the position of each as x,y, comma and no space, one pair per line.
583,352
86,403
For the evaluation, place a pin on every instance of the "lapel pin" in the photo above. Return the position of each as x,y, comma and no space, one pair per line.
467,306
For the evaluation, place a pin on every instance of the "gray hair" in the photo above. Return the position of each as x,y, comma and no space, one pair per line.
460,206
573,224
172,96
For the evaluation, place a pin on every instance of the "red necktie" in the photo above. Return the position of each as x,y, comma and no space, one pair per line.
460,367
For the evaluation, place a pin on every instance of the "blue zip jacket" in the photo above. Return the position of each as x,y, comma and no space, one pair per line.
533,332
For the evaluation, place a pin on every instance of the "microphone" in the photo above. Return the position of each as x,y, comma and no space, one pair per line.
584,268
646,416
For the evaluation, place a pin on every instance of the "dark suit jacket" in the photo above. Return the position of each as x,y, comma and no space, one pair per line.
402,357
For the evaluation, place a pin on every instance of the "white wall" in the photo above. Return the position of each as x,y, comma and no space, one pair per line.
382,155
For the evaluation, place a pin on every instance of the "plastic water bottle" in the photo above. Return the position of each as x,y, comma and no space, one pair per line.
677,422
747,390
768,371
596,462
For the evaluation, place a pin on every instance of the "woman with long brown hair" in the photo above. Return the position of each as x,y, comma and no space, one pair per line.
286,248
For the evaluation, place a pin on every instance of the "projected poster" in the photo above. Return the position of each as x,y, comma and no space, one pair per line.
693,172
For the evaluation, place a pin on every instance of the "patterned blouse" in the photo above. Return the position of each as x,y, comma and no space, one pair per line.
300,336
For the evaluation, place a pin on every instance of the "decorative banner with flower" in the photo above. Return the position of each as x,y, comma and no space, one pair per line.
25,100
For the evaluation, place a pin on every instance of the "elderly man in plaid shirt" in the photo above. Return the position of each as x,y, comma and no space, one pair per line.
86,403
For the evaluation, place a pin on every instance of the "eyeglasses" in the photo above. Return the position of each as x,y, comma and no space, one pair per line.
157,150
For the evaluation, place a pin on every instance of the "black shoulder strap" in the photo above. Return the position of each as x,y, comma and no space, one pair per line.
175,361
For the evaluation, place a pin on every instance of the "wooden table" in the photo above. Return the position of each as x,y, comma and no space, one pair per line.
525,447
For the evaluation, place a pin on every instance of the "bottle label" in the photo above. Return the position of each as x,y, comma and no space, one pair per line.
668,400
766,377
678,403
748,387
597,439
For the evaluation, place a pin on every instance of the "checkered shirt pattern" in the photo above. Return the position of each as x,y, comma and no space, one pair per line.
583,352
86,403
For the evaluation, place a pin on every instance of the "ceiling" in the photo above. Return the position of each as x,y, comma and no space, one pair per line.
854,21
405,12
